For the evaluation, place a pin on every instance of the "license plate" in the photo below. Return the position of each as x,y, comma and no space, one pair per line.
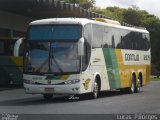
50,90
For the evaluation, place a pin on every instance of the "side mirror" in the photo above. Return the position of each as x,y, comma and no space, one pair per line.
17,46
81,47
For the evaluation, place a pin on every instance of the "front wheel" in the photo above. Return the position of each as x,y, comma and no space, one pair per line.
47,96
95,90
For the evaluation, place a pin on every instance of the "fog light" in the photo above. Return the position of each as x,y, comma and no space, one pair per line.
77,89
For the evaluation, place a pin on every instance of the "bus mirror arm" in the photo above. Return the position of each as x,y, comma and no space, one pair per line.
17,46
81,47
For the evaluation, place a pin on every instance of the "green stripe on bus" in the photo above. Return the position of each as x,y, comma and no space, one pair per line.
112,67
55,77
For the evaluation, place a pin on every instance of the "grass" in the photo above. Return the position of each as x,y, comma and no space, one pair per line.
154,78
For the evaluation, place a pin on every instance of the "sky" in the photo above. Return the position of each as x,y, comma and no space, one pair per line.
151,6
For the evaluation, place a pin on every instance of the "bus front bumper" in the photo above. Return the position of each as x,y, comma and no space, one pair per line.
52,89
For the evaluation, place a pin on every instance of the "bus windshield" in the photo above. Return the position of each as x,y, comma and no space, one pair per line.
52,57
54,32
52,49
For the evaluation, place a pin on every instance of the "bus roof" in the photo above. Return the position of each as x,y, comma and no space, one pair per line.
81,21
84,21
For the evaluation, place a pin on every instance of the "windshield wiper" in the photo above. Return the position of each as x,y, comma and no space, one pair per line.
55,61
45,62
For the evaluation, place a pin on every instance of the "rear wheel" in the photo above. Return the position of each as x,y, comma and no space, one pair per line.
47,96
138,86
132,88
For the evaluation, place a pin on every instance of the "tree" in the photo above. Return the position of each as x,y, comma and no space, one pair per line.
113,12
86,4
73,1
133,17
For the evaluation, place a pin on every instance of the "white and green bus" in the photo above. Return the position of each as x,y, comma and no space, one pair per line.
76,56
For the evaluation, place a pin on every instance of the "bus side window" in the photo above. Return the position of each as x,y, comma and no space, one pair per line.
97,36
87,46
87,54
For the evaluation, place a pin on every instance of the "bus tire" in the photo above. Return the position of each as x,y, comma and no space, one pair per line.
95,92
140,79
138,87
133,85
47,96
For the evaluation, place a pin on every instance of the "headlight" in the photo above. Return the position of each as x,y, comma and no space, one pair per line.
28,81
70,82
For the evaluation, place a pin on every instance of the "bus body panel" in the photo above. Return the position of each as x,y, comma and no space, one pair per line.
11,66
11,70
133,61
96,67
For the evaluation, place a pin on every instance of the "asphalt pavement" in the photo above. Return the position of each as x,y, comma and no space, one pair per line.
15,101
